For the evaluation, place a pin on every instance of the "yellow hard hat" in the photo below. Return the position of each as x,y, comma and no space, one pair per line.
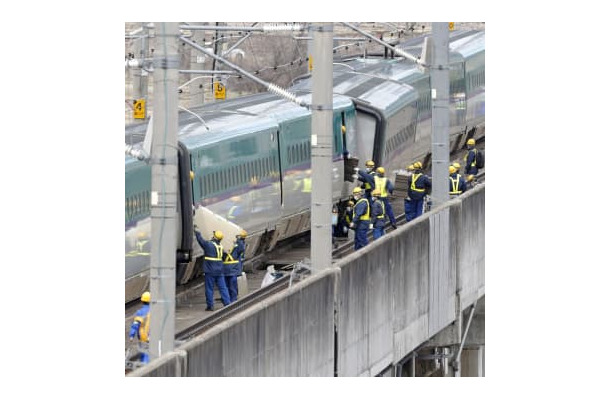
350,203
417,165
218,235
381,170
376,192
370,163
457,166
410,167
470,178
470,142
357,190
145,297
242,234
452,169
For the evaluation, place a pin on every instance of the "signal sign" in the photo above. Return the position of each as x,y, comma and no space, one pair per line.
219,91
139,109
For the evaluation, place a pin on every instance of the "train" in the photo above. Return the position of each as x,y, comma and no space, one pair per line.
248,159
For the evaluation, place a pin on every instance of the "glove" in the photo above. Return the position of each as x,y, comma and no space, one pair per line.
345,229
351,224
354,176
130,339
370,226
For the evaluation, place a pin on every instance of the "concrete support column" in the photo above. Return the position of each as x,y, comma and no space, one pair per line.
472,362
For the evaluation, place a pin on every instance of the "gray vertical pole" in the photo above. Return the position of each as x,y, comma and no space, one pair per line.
439,79
139,75
321,147
164,186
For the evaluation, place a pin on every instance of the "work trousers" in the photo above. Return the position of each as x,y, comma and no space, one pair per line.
220,282
232,286
360,240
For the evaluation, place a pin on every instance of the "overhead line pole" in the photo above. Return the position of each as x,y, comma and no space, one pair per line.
164,185
321,147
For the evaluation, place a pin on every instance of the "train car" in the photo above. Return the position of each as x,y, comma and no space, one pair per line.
251,156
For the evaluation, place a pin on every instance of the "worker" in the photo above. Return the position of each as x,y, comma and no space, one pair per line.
457,184
378,215
361,219
408,201
344,217
233,264
141,327
420,183
213,269
386,188
367,178
235,210
471,158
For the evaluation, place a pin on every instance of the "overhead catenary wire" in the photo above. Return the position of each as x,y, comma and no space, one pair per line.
269,86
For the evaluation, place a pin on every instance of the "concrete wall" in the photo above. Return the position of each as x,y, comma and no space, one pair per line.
388,298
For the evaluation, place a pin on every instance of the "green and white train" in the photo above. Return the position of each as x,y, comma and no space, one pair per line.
251,158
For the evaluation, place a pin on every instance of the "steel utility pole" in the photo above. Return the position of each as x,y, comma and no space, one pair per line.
164,162
439,79
321,147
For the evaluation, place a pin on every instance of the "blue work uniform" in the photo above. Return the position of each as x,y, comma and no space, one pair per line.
213,271
457,184
368,183
386,188
233,265
361,220
471,162
378,217
417,191
141,328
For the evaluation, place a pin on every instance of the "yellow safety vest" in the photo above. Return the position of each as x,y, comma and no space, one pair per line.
414,179
307,185
230,260
144,326
218,250
474,160
380,184
366,215
454,185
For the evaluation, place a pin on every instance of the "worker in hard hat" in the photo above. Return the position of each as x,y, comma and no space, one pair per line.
213,268
233,264
378,215
361,219
470,158
140,327
386,188
420,184
367,177
457,183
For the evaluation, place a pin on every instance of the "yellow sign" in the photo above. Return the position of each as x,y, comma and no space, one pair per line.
139,109
219,91
310,63
451,25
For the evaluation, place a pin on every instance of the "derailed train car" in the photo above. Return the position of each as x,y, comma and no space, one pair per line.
251,157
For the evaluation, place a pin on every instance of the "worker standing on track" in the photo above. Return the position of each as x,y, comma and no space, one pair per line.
471,158
213,269
141,327
361,219
417,191
368,179
233,264
378,215
457,184
386,188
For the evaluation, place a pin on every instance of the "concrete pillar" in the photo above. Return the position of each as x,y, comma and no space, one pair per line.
472,362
